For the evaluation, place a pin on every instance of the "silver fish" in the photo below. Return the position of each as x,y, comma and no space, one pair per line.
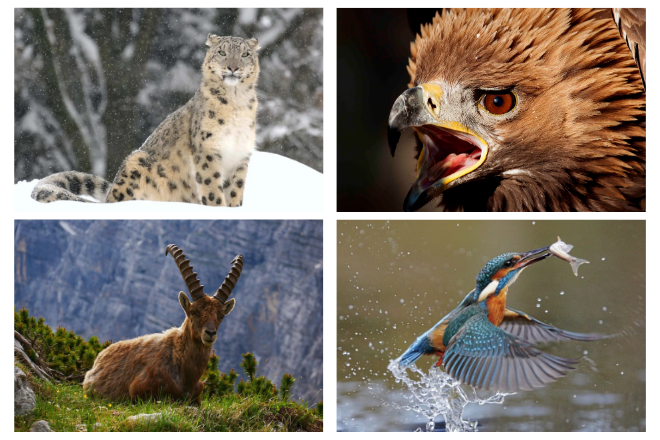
561,250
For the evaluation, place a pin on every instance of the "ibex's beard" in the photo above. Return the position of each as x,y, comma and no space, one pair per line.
208,341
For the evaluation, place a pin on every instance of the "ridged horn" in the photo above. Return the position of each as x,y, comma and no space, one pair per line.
228,284
196,290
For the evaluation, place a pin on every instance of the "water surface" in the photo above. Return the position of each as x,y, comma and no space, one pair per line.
396,279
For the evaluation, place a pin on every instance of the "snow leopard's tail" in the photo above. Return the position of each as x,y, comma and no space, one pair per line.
70,185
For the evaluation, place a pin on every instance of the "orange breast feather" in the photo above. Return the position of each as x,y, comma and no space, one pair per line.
496,306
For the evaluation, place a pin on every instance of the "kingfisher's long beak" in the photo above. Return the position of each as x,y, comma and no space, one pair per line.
451,150
530,257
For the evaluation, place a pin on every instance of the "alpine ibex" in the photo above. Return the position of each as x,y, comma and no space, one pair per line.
169,363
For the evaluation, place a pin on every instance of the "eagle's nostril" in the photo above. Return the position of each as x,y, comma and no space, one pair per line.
432,106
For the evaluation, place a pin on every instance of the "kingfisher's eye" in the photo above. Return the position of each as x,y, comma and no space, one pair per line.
245,54
508,263
498,103
223,53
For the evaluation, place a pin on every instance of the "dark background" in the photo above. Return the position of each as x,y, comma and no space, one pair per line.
373,46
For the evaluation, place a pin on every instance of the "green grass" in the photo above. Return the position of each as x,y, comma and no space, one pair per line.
66,407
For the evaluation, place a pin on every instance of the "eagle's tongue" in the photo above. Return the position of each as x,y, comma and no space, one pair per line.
454,163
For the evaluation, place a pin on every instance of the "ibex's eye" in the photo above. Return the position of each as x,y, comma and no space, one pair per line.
245,54
223,53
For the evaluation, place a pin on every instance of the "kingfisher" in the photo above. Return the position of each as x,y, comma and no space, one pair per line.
487,345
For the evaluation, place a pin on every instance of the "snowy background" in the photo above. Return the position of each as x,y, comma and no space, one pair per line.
91,85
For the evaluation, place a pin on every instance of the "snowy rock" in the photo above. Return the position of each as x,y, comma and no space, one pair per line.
145,417
24,398
273,184
40,426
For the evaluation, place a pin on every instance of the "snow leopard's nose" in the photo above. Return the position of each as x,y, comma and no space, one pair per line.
232,69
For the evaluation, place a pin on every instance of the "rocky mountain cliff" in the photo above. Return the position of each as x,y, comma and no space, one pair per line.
112,279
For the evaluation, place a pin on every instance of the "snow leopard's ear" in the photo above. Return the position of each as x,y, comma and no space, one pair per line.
212,39
253,43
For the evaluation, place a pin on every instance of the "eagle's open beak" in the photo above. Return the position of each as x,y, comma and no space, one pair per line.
450,150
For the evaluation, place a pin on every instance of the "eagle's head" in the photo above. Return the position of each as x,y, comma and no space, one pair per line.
524,110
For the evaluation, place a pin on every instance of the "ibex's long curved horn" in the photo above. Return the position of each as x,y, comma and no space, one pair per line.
228,284
196,290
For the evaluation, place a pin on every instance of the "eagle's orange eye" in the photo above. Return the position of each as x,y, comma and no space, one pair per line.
498,103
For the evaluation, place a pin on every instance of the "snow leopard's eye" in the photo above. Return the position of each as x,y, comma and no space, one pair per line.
246,54
223,53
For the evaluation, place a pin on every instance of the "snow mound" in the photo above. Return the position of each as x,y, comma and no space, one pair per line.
274,183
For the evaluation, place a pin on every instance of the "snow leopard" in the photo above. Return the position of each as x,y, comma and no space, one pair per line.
198,154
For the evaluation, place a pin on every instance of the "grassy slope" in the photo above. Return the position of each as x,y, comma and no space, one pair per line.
64,406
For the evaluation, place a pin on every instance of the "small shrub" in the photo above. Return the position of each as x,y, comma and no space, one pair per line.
285,386
249,365
62,351
221,384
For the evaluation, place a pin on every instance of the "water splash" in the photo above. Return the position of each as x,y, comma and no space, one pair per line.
436,393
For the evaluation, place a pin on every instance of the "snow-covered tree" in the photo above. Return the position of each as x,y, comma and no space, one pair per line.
90,85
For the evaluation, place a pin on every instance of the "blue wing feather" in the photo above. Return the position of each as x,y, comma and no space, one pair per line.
487,357
532,330
417,349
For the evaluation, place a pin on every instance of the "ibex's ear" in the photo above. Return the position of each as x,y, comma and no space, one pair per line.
229,306
212,39
185,303
253,43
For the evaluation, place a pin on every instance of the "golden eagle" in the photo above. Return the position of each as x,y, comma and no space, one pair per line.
527,110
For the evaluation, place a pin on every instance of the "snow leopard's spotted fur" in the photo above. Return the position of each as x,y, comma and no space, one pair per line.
199,154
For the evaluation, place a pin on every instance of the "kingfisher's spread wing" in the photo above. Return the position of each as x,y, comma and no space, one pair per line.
532,330
487,357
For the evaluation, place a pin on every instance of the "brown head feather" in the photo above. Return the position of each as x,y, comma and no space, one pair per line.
579,131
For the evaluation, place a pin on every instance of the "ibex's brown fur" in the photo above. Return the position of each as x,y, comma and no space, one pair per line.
169,363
